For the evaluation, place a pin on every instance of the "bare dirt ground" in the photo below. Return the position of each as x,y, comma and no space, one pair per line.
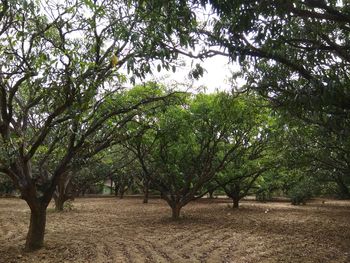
109,230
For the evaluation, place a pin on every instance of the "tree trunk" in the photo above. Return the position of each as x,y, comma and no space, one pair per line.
176,211
116,189
121,193
59,203
145,197
235,195
35,236
343,189
235,203
111,187
211,194
145,192
60,198
63,191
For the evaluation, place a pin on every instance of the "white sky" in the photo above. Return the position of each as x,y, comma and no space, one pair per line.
216,75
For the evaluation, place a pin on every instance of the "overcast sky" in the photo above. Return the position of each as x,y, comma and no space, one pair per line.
216,75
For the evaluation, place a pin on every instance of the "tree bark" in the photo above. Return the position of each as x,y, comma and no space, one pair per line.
235,203
63,191
59,203
121,193
176,211
145,197
116,189
235,195
60,198
145,192
35,236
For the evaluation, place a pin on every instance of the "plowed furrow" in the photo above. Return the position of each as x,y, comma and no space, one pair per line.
187,238
103,253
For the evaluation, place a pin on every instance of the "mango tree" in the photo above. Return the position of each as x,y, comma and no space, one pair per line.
320,153
255,155
239,178
60,85
189,143
295,53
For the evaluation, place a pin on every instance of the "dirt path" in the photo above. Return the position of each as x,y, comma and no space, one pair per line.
108,230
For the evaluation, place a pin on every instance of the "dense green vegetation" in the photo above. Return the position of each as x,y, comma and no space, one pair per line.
68,124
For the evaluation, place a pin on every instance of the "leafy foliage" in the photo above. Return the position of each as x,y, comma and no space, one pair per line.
298,50
61,96
6,185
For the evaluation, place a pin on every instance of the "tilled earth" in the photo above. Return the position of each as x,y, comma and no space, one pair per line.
111,230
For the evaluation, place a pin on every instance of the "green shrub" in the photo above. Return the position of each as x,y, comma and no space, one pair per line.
6,185
299,194
263,195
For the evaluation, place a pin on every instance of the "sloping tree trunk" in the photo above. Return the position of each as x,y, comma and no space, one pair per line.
36,232
37,205
60,201
61,194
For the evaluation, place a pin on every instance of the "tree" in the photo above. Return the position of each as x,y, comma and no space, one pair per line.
189,143
140,147
82,176
294,53
89,178
59,87
296,48
268,184
144,130
309,163
114,162
321,154
240,176
254,156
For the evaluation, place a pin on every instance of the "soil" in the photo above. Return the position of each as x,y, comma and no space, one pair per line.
110,230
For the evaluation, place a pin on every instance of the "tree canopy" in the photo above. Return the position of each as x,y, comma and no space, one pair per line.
66,115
